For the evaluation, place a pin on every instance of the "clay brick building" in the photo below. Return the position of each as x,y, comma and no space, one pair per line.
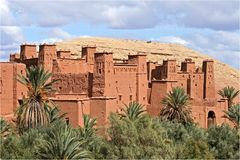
97,85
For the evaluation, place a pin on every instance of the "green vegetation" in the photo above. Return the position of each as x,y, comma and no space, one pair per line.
230,93
176,106
33,111
133,112
148,138
62,143
131,134
233,114
5,127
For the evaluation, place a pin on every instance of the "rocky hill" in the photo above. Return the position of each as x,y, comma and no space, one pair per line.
157,52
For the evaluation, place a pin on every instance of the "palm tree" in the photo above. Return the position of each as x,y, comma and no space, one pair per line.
5,127
88,130
54,114
88,133
133,112
32,112
233,114
230,93
175,106
62,143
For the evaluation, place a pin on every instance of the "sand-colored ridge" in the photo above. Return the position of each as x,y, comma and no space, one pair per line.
157,52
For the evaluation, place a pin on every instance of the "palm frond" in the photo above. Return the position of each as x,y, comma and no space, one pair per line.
233,114
33,112
176,106
133,111
230,93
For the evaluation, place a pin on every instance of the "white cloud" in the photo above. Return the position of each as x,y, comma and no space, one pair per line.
11,38
6,17
216,15
173,39
221,16
49,40
221,45
59,33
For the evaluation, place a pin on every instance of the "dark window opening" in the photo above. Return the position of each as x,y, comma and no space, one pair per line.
20,102
67,120
120,98
130,97
99,71
211,119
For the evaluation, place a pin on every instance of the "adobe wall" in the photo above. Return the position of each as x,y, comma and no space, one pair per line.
209,81
66,66
88,55
195,85
101,108
201,109
28,51
14,57
159,90
123,87
10,89
142,81
96,85
102,75
182,80
63,54
151,67
71,83
47,53
30,62
75,110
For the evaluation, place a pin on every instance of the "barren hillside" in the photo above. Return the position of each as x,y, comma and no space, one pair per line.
224,74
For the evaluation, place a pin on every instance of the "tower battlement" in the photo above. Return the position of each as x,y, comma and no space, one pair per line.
85,83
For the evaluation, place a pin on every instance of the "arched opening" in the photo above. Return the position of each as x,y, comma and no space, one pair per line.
211,119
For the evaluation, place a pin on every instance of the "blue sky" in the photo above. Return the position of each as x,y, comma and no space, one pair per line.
211,27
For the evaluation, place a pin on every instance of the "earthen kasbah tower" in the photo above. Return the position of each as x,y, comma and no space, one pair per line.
97,85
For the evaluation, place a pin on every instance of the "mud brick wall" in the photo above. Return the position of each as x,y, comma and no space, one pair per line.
71,83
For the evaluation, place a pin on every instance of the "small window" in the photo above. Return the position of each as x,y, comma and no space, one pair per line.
130,97
21,71
196,84
67,120
99,71
144,98
60,88
181,84
120,97
20,102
